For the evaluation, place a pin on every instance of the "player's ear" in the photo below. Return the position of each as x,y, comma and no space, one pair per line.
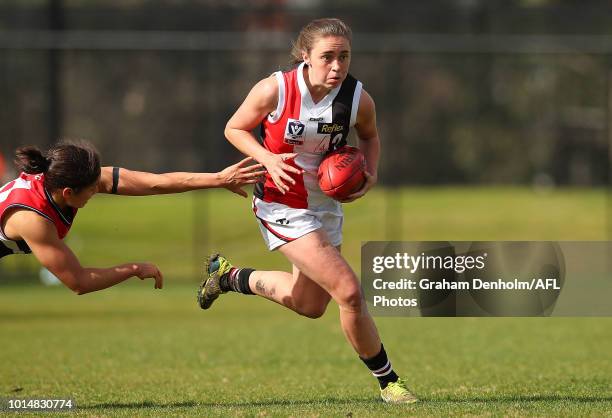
305,57
67,192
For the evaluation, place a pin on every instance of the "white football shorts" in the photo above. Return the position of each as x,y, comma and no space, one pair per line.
280,224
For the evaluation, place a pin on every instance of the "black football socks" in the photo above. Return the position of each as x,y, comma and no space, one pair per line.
236,280
380,366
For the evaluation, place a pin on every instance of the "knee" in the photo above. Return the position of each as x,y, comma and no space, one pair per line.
350,298
311,309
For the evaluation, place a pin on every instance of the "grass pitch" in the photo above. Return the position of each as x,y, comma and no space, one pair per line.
134,351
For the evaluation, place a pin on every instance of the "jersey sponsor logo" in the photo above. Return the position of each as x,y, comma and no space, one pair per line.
294,132
329,128
316,119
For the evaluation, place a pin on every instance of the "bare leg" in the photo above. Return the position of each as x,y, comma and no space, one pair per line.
295,291
315,257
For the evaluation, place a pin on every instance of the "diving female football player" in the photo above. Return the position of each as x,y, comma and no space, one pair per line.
38,208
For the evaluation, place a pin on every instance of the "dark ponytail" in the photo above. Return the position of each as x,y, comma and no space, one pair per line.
73,164
31,160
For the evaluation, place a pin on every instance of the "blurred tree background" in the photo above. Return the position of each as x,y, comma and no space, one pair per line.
467,91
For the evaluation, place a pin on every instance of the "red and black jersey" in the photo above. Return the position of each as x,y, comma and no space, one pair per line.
298,125
28,192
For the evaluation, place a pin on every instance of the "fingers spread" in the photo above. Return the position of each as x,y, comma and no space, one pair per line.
287,167
280,185
288,156
253,174
287,177
245,161
240,192
250,168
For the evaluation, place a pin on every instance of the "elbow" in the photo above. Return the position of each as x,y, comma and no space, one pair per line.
229,131
82,291
77,290
79,287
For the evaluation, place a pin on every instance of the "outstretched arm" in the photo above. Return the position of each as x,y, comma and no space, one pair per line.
54,254
139,183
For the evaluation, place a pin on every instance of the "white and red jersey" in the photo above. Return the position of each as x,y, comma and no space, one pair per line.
298,125
28,192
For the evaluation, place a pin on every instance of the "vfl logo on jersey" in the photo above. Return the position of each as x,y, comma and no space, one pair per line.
329,128
294,132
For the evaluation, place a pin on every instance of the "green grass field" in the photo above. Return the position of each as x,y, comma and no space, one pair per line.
135,351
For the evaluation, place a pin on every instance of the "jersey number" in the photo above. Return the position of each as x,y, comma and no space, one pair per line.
335,143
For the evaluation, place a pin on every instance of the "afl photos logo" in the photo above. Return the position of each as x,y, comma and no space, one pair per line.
294,132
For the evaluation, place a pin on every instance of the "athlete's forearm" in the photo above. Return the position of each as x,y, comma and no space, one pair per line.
371,149
94,279
140,183
179,182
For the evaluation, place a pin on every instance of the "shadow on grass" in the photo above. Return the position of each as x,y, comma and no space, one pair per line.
358,401
518,398
81,314
279,402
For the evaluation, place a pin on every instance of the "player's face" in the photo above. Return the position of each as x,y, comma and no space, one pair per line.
80,199
329,61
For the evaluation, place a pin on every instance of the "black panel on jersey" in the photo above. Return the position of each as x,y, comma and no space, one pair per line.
341,109
4,250
258,190
23,246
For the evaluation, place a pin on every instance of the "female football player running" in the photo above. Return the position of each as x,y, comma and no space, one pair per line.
306,113
38,208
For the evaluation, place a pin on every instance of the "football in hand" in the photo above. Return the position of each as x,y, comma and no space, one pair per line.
342,172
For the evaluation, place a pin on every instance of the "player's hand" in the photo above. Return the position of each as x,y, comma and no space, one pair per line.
149,271
237,175
369,183
277,167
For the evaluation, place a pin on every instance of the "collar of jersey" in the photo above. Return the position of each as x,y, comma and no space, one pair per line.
324,103
67,220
